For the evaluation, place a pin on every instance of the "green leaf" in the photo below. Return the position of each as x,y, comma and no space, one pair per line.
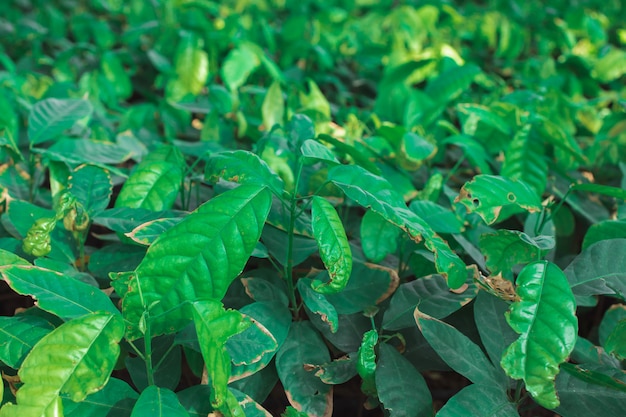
601,189
450,84
369,285
611,66
488,195
313,151
155,182
431,294
78,358
146,233
478,400
397,380
457,350
254,348
333,245
318,304
524,160
473,150
377,194
379,237
338,371
599,269
546,321
158,402
506,248
612,317
92,187
198,258
51,117
605,230
116,398
18,335
495,333
191,63
242,167
273,107
305,391
616,342
366,362
214,326
59,294
79,151
440,219
581,397
238,65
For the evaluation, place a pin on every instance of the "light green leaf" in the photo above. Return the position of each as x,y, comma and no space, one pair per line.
473,150
333,245
488,195
18,335
397,380
379,237
611,66
313,151
366,362
158,402
305,391
59,294
479,401
155,181
431,294
238,65
92,187
545,319
377,194
273,107
457,350
450,84
78,358
51,117
196,259
214,326
242,167
191,64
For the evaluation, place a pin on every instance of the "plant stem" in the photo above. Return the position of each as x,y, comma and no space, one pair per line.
147,340
293,207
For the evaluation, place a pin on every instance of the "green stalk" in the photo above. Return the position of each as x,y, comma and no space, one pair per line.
293,208
147,340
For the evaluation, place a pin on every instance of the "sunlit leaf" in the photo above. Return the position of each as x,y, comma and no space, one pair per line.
544,343
93,342
158,402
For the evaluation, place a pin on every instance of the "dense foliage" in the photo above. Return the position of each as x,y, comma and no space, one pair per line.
217,204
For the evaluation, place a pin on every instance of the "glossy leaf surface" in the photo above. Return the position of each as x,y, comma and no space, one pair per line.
59,294
488,195
544,343
333,245
198,258
214,326
92,187
155,182
92,339
18,335
377,194
117,397
379,237
242,167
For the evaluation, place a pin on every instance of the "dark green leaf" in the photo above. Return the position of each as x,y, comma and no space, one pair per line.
51,117
318,304
158,402
479,400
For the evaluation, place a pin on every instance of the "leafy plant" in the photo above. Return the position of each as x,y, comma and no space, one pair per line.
232,208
